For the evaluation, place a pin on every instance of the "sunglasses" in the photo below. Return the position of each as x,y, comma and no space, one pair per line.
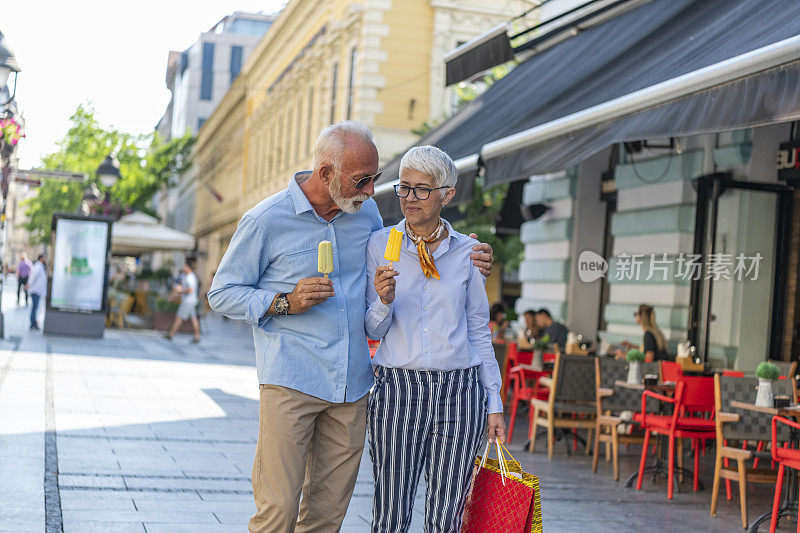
363,182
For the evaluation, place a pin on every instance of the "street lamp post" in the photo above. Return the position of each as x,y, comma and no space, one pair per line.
108,174
8,65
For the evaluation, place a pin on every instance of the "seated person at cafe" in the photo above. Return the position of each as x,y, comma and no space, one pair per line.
555,331
654,344
529,331
498,323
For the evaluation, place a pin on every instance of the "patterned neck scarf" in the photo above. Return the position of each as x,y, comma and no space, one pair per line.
425,258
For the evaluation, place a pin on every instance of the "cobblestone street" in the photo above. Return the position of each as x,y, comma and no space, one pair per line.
158,436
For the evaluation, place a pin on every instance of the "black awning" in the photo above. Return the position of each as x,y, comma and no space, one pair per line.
651,44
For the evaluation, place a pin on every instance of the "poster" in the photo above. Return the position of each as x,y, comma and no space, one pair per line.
79,265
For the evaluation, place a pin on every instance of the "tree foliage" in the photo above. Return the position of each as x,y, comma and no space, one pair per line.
480,217
147,163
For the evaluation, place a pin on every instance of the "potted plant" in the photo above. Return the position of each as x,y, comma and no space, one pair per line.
539,346
635,359
767,373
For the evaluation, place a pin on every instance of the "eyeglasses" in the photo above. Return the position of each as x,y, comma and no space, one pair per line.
420,193
361,183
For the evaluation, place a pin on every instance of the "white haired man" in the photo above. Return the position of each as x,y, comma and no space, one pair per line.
311,349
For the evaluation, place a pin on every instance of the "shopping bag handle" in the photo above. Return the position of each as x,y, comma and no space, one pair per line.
501,460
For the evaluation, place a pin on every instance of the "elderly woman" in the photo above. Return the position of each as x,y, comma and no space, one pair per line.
436,373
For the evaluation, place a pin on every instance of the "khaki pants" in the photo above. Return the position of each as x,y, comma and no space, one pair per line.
310,445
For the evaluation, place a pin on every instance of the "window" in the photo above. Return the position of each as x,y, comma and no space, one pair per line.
351,82
334,81
200,122
236,61
207,78
256,28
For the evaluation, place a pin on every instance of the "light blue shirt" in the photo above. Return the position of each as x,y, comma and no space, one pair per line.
322,352
433,324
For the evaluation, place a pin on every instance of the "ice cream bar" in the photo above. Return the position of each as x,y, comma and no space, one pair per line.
392,252
325,258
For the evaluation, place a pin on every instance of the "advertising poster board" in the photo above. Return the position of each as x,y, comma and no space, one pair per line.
77,292
79,265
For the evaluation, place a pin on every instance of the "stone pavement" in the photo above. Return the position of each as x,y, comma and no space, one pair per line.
135,433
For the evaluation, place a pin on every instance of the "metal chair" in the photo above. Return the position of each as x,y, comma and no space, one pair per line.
693,394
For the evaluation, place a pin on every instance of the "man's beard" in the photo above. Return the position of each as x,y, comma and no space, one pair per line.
348,205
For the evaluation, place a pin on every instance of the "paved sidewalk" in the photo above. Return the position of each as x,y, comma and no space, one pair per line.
136,433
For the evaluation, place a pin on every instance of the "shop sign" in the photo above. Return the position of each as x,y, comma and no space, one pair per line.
788,162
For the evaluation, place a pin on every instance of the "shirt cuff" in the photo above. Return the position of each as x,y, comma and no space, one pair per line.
265,301
495,403
380,309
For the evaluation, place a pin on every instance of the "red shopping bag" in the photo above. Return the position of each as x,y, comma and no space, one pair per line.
503,499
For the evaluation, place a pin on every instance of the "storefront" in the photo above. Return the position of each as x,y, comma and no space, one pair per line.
649,140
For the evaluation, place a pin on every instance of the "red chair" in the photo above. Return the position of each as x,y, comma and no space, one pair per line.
784,457
514,357
670,371
693,394
521,391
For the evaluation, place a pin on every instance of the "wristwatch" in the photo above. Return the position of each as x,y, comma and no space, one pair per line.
282,304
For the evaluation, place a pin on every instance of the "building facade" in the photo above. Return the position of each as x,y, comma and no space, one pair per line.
376,61
744,300
198,78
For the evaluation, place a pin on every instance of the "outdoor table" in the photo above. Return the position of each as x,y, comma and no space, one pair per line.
789,502
659,465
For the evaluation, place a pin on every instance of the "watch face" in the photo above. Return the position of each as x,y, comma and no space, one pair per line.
281,305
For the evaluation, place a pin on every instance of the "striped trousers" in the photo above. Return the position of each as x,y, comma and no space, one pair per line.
423,421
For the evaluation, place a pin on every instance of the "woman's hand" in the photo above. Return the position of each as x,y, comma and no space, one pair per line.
496,428
385,283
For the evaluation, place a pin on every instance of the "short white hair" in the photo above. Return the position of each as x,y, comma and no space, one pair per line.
329,146
433,162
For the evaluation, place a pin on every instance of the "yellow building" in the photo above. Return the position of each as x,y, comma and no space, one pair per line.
377,61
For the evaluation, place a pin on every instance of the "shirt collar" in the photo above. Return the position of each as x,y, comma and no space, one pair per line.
301,203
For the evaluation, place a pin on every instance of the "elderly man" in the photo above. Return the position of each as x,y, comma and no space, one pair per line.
311,350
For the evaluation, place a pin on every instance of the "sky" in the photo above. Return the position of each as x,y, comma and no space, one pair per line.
112,54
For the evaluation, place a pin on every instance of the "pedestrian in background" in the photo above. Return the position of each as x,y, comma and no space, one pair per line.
23,272
37,287
186,288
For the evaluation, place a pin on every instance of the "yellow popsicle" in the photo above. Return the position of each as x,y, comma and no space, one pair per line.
392,252
325,258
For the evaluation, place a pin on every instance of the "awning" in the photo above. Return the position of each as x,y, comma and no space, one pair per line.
138,232
667,68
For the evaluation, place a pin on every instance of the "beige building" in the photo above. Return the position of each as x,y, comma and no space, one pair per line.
377,61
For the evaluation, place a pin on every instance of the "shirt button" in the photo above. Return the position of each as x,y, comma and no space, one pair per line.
426,350
426,330
424,308
425,287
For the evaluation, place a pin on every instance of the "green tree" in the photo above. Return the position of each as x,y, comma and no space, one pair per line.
480,217
146,164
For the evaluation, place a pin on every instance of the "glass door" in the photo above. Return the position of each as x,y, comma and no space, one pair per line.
736,314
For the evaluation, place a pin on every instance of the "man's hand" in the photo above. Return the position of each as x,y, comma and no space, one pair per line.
482,256
496,428
308,293
385,283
